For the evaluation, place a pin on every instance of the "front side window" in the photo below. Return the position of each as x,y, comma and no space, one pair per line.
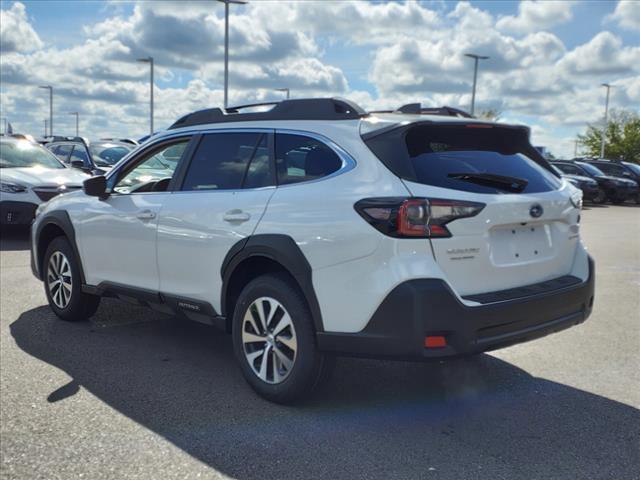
63,151
226,161
24,154
593,171
80,153
300,159
612,169
153,171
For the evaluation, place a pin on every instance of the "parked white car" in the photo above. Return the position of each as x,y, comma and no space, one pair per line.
29,176
315,229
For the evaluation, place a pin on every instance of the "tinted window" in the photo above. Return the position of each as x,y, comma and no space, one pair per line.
591,169
462,158
300,158
63,151
108,154
569,169
80,153
611,169
221,161
153,171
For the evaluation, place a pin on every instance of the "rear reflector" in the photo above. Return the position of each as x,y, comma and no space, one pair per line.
437,341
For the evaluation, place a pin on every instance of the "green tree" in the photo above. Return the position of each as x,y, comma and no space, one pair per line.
622,141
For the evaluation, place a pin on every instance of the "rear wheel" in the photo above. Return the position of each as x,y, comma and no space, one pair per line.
274,340
62,283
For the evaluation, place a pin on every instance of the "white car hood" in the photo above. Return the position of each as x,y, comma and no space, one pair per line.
41,176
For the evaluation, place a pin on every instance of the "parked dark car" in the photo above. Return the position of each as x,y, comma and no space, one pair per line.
93,157
591,192
616,190
627,170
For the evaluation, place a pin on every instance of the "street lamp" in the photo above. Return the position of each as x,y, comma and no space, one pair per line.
226,46
46,122
77,121
286,90
606,113
149,60
475,76
50,88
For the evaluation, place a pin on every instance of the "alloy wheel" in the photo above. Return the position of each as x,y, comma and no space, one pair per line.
269,340
59,279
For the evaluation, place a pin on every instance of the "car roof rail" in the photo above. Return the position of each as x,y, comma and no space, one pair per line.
294,109
417,109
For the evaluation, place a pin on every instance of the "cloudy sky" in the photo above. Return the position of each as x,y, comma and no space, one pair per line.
548,59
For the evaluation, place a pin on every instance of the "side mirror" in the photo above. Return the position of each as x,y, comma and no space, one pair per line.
77,164
95,186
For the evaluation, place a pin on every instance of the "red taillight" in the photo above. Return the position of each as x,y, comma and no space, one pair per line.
415,217
435,341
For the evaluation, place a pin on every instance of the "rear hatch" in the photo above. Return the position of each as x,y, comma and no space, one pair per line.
526,232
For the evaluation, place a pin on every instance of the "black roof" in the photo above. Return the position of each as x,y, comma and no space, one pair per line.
296,109
303,109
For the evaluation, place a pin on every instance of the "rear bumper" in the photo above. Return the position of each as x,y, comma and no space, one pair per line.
425,307
17,213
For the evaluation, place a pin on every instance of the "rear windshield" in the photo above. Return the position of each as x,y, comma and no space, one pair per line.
480,160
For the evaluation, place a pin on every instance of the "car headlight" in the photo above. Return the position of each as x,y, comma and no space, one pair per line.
576,199
12,187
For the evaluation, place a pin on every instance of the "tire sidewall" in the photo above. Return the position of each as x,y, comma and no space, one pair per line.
301,379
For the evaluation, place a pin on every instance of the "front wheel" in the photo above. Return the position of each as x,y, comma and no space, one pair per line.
62,283
274,340
600,197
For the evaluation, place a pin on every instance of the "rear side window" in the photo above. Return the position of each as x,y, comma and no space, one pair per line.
80,153
224,161
300,159
480,160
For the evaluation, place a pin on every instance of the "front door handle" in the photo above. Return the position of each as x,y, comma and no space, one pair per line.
146,215
236,216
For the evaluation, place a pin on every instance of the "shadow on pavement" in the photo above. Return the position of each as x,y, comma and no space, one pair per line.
477,418
14,238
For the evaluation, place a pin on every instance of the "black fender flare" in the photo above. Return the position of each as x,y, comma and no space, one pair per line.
281,249
61,219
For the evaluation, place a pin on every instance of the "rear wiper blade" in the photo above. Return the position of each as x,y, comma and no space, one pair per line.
510,184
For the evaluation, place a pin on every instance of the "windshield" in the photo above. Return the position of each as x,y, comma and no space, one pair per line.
634,167
591,169
24,154
108,154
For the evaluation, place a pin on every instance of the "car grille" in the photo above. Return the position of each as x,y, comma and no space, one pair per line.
47,193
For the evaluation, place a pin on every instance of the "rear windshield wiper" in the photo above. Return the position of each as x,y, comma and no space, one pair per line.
510,184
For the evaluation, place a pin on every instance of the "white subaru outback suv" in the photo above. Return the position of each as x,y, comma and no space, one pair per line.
316,229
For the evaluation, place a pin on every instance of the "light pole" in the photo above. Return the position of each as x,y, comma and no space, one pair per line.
50,88
149,60
77,122
45,127
475,77
606,114
286,90
226,46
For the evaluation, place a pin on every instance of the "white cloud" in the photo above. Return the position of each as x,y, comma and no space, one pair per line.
16,33
626,15
535,15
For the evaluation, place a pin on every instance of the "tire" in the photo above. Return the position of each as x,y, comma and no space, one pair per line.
601,197
62,284
281,363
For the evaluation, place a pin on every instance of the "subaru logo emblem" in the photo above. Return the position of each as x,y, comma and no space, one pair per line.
536,210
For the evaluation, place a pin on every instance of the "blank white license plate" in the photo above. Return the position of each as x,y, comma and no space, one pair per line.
524,243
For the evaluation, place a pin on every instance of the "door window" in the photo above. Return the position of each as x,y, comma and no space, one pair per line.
300,159
226,161
62,152
80,153
153,171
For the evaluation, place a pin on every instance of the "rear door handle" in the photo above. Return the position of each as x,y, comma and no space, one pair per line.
236,216
146,215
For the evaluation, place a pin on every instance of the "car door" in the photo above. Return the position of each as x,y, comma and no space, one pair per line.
223,193
118,234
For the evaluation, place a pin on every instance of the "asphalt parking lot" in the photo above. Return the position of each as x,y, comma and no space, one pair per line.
134,394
